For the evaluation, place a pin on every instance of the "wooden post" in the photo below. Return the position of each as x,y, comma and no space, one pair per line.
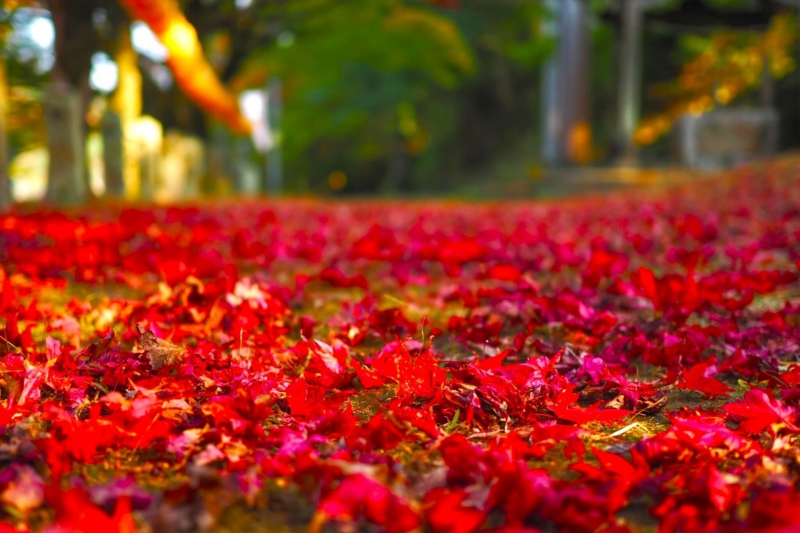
66,180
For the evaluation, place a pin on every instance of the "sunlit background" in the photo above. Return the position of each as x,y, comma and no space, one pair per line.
390,97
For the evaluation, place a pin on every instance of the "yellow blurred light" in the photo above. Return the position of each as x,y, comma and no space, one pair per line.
723,94
337,180
580,143
180,38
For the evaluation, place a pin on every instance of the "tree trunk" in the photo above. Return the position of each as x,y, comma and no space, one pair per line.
567,134
630,54
5,185
64,117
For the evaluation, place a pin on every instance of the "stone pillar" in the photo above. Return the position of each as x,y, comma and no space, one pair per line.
113,155
567,132
66,182
5,184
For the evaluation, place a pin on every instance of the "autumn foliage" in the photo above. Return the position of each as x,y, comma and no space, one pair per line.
619,363
192,72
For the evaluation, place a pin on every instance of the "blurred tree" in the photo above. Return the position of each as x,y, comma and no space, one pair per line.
355,75
720,67
6,15
67,98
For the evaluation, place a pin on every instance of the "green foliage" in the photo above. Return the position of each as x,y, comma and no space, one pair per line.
356,71
376,87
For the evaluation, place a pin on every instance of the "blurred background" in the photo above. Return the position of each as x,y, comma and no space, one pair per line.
160,100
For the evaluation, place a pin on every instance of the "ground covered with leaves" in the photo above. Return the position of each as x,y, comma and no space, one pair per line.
619,363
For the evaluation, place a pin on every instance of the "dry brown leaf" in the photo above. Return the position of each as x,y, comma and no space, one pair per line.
159,351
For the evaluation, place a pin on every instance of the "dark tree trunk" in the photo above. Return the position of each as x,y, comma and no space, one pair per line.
67,99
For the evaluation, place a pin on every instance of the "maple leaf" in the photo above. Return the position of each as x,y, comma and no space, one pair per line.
367,376
358,495
563,408
420,375
759,411
75,513
504,272
304,400
159,351
695,378
446,512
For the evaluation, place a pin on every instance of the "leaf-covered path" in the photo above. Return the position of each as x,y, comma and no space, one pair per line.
620,363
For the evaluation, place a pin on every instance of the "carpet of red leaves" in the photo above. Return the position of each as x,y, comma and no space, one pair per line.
620,363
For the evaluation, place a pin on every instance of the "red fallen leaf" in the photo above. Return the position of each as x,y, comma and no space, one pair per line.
512,529
504,272
616,464
460,251
792,377
493,362
383,434
646,282
775,511
618,475
391,323
327,364
445,512
695,379
462,458
416,418
337,278
75,513
603,264
562,408
368,377
543,438
358,496
420,375
721,493
304,400
758,411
